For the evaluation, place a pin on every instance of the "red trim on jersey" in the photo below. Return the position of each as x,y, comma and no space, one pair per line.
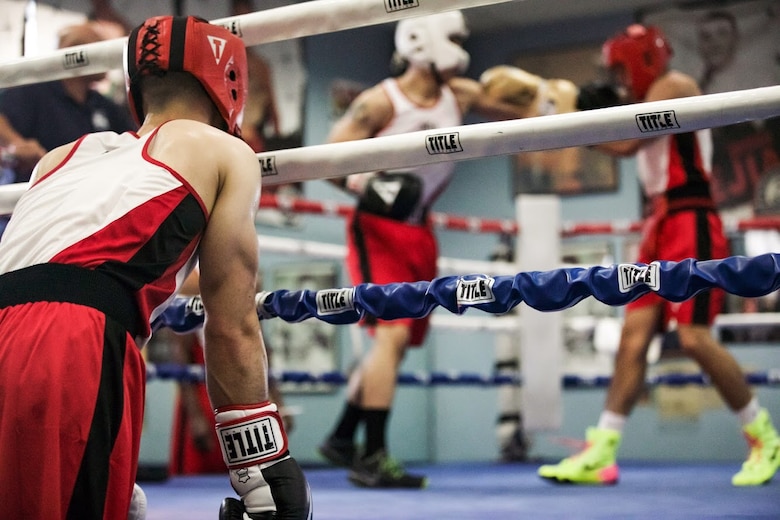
65,160
113,240
111,243
156,293
148,158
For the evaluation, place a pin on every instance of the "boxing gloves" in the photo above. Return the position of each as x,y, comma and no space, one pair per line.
511,84
137,504
262,472
598,95
521,88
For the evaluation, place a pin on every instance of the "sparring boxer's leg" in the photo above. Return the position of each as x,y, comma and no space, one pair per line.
764,458
597,464
375,468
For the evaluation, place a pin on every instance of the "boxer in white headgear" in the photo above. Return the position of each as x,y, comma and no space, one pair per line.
392,212
434,42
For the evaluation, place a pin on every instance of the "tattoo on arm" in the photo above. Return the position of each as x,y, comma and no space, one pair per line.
361,114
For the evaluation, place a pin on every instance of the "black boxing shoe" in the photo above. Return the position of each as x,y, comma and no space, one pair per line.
381,471
338,452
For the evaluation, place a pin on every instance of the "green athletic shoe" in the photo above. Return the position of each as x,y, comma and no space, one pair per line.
596,464
382,471
764,459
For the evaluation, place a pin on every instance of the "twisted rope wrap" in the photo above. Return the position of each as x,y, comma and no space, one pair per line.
543,290
553,290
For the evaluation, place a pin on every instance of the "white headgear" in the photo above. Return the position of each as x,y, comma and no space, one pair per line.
426,40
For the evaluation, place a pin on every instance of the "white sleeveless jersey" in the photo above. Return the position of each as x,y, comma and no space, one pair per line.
110,207
409,117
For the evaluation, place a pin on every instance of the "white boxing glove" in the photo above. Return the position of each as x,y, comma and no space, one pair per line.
137,504
262,472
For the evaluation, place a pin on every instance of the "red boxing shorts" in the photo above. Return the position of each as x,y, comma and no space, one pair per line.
381,251
691,233
72,385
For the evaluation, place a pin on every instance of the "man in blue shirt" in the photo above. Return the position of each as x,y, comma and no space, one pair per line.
39,117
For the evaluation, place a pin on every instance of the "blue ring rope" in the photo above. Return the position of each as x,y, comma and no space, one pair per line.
195,373
552,290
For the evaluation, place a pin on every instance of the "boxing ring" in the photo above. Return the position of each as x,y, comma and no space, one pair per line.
471,489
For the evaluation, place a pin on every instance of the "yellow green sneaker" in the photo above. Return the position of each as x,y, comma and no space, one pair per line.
596,464
764,459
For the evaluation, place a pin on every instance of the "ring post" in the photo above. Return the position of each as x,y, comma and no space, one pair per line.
541,333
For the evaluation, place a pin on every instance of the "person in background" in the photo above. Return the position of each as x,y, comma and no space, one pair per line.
261,108
674,171
392,212
37,118
194,444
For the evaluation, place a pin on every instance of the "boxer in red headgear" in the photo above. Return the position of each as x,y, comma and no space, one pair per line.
212,54
674,171
96,248
640,55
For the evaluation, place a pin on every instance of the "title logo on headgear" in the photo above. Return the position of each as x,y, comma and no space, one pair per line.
217,47
399,5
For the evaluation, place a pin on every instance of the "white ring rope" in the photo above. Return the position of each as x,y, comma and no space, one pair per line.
282,23
521,135
510,137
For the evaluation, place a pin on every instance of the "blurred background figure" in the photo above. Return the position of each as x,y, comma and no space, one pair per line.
39,117
194,444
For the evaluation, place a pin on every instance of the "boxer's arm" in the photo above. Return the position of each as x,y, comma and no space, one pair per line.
265,476
366,116
228,260
672,85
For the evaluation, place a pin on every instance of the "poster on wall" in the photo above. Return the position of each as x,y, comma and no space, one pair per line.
308,346
566,171
728,47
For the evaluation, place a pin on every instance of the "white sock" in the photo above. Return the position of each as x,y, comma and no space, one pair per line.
749,413
612,421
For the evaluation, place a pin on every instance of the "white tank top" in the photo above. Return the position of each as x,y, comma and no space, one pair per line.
110,207
410,117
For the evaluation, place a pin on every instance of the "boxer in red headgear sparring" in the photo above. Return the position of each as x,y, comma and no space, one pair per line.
95,250
674,171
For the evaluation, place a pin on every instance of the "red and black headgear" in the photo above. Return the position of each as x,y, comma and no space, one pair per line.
211,53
